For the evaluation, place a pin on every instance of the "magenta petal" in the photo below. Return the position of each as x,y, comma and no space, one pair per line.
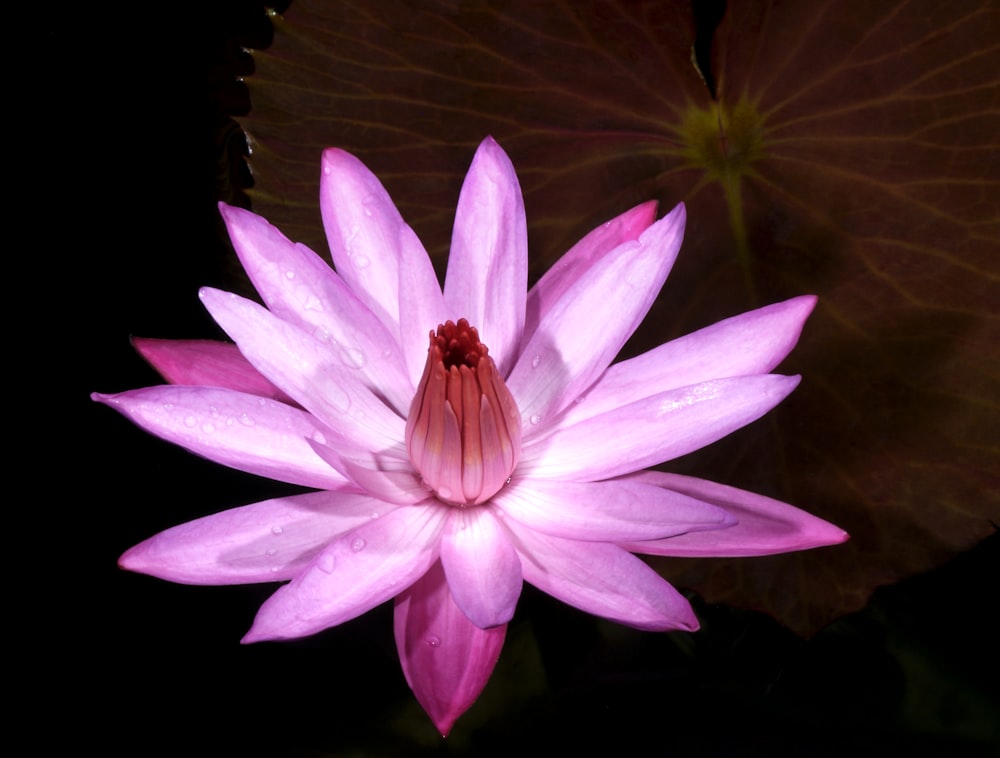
581,257
245,432
308,370
354,573
610,511
652,430
268,541
602,579
765,526
482,567
487,276
301,288
446,659
564,357
751,343
365,233
206,363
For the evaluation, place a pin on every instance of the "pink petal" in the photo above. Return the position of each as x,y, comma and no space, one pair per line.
421,310
606,511
583,331
581,257
487,276
310,371
765,526
206,363
366,234
446,659
268,541
354,573
652,430
601,579
482,567
300,287
751,343
245,432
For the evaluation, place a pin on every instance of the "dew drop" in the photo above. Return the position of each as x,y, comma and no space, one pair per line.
361,261
358,545
190,421
167,406
208,428
272,551
214,411
535,418
374,515
326,169
432,640
535,361
319,438
276,530
352,357
229,421
289,275
326,563
246,420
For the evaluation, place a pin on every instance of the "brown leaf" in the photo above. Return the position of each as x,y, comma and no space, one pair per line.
851,153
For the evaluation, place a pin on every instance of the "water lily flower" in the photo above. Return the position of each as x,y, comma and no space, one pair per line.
461,441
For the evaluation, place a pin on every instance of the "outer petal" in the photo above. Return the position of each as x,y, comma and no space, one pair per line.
606,511
751,343
265,542
206,363
603,580
581,257
307,370
482,567
446,659
564,356
353,574
245,432
765,527
654,429
367,235
300,287
487,276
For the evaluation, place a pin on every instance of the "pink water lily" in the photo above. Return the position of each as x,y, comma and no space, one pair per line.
466,440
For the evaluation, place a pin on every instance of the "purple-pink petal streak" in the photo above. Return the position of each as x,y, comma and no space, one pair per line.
446,659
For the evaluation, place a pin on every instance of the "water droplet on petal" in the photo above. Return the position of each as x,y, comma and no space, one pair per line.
535,418
432,640
358,545
272,551
326,563
535,361
361,261
208,428
246,420
374,515
289,275
190,421
276,530
319,438
167,406
352,357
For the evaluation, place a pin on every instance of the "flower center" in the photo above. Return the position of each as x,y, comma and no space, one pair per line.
463,432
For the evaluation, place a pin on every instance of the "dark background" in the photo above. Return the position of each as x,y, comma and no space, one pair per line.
131,142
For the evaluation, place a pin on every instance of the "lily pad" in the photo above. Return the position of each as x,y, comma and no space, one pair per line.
848,149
